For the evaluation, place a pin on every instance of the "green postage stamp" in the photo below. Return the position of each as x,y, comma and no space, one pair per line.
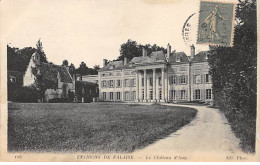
216,23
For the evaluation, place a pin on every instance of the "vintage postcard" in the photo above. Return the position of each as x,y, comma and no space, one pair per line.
129,81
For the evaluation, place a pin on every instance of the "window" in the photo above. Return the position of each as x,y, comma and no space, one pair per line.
142,81
111,83
197,79
151,95
178,59
104,83
207,78
134,82
110,95
171,80
118,83
160,81
174,79
160,95
118,95
127,83
197,67
104,96
151,81
197,94
143,94
13,79
183,96
183,68
127,73
173,94
208,94
183,81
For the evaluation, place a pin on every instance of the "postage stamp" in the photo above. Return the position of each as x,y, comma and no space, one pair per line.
216,23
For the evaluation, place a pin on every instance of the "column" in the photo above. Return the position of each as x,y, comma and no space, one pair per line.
163,85
157,89
145,85
166,87
154,85
140,86
137,86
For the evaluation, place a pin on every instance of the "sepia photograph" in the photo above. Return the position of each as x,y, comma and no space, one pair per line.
129,81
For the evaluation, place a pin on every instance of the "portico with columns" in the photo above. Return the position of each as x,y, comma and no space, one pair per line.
152,83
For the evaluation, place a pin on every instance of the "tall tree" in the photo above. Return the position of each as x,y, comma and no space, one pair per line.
18,59
234,74
83,69
65,63
41,52
132,49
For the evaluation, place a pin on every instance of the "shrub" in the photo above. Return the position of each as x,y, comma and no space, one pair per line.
60,100
26,94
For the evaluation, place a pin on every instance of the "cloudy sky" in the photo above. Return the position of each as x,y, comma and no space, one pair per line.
91,30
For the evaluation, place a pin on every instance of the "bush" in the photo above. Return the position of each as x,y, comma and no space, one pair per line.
60,100
26,94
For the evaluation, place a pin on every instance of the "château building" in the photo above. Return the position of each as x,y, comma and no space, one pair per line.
158,77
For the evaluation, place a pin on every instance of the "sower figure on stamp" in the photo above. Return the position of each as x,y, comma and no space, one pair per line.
212,20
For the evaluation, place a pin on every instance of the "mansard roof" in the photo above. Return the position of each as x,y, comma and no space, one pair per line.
174,56
113,65
156,56
200,57
49,73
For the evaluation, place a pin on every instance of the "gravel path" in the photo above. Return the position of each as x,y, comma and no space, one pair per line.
209,133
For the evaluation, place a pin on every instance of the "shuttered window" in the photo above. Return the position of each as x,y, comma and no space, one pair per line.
197,94
182,79
208,94
110,95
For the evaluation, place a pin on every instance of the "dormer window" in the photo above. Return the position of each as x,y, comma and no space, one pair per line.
178,59
207,56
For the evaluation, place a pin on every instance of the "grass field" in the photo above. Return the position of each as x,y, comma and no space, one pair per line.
100,127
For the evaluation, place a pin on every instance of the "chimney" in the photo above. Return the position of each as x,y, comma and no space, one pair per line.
192,51
125,61
168,50
144,52
104,62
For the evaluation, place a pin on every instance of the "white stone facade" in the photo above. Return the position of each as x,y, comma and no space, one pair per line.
172,77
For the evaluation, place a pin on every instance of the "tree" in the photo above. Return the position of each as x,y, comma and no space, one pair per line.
83,69
132,49
234,75
65,63
41,52
18,59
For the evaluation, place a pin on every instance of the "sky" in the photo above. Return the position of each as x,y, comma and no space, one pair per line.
92,30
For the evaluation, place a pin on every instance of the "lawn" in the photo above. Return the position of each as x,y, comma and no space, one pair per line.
99,127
